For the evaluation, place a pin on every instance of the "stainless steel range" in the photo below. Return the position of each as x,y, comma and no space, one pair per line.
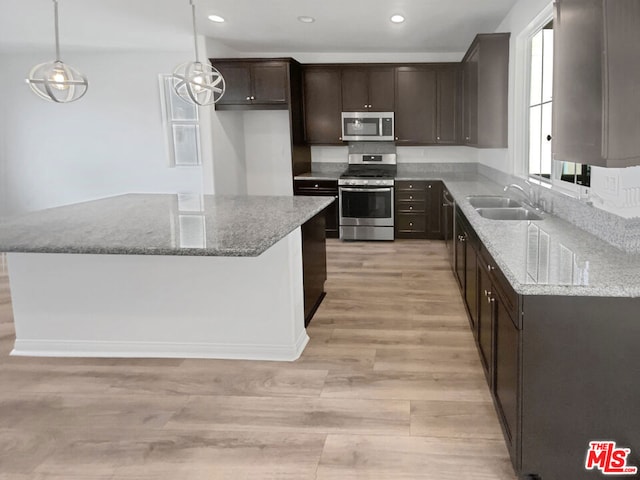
366,197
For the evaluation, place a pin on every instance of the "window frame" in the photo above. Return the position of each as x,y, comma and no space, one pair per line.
534,29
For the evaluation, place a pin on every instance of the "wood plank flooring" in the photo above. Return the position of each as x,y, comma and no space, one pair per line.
390,387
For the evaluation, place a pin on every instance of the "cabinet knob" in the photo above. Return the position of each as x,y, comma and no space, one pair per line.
252,97
366,106
410,197
340,138
370,106
461,238
429,186
490,268
397,138
410,186
248,98
410,208
466,138
315,186
437,138
411,224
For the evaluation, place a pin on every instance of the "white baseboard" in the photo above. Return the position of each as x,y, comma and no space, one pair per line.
79,348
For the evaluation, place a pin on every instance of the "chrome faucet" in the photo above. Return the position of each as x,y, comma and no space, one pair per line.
529,198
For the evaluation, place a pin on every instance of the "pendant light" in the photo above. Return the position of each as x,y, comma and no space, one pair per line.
56,81
197,82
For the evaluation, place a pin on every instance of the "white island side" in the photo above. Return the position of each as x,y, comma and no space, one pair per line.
99,283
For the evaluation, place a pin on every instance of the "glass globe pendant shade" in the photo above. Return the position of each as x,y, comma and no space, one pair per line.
57,82
198,83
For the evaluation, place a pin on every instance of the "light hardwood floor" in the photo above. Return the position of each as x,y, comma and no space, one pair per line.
390,387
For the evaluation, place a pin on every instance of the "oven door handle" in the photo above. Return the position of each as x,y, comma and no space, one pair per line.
366,189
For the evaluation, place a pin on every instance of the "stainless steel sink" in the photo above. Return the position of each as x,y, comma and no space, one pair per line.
492,201
508,214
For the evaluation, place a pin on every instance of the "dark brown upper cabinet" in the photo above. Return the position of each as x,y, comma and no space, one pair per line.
253,84
415,113
449,105
486,91
596,82
322,105
368,89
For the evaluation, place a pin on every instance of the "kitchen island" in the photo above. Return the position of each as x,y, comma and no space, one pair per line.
143,275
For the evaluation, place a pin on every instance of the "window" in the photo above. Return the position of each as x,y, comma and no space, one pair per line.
541,104
182,126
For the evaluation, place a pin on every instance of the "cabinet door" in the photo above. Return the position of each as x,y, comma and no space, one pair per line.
322,105
506,371
237,78
382,89
322,188
355,90
459,245
415,113
448,114
471,279
484,333
470,118
433,210
269,83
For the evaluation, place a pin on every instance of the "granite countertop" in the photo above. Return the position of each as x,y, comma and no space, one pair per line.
161,224
324,171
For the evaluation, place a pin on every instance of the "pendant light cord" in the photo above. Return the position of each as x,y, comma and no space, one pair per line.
55,17
195,32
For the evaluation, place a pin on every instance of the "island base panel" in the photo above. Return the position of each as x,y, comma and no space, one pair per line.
75,305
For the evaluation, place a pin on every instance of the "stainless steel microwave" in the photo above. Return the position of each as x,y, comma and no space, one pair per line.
367,126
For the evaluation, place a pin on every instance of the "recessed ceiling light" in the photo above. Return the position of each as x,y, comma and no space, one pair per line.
216,18
305,19
397,19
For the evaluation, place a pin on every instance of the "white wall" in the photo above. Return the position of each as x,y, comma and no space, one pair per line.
109,142
268,152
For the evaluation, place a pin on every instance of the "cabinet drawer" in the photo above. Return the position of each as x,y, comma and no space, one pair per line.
410,206
411,195
315,187
409,222
409,185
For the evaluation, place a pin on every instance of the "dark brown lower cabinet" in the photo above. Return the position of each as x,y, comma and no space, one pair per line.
562,370
507,372
322,188
314,264
418,209
485,325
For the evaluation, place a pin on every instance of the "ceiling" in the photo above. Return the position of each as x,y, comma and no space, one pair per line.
268,26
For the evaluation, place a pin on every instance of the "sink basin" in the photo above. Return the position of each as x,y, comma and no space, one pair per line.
492,201
508,214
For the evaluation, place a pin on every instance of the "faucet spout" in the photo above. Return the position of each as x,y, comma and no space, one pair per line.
528,196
